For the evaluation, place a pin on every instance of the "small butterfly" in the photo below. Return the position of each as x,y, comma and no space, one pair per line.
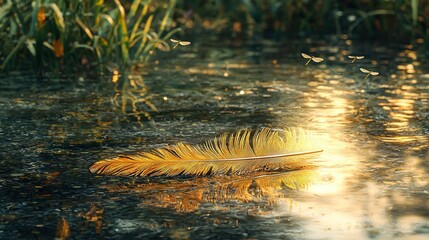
355,57
368,72
315,59
177,42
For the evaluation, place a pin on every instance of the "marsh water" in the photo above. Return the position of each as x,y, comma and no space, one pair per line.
373,176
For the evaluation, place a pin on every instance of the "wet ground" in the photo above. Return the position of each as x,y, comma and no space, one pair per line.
373,180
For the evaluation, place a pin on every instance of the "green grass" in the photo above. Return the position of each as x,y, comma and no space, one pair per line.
71,35
399,20
93,34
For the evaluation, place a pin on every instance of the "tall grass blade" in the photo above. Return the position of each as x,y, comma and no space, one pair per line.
18,46
415,11
139,20
58,17
84,28
123,33
167,16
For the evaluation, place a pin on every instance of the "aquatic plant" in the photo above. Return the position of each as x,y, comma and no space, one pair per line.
66,35
294,18
242,152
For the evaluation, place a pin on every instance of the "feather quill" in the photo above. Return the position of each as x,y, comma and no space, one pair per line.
237,153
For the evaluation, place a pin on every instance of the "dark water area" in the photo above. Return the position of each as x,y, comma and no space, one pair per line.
373,174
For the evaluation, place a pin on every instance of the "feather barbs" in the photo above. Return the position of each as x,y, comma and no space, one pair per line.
237,153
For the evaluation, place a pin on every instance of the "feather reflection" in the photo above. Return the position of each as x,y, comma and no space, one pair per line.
63,229
188,195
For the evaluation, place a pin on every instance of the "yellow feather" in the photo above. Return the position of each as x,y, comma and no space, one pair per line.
236,153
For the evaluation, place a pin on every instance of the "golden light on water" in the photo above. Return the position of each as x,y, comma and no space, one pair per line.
328,110
210,72
408,68
400,108
339,159
419,178
364,190
217,69
352,192
328,203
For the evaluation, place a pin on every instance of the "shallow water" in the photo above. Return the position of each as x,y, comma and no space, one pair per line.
373,174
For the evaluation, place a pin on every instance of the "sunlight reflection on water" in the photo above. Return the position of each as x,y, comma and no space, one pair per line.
349,201
373,173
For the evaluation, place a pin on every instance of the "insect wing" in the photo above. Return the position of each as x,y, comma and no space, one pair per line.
360,57
174,40
184,43
374,73
364,70
317,59
305,55
351,57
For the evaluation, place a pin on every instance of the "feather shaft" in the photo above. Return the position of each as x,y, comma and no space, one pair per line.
257,157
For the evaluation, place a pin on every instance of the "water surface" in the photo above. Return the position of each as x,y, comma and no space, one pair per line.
373,173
